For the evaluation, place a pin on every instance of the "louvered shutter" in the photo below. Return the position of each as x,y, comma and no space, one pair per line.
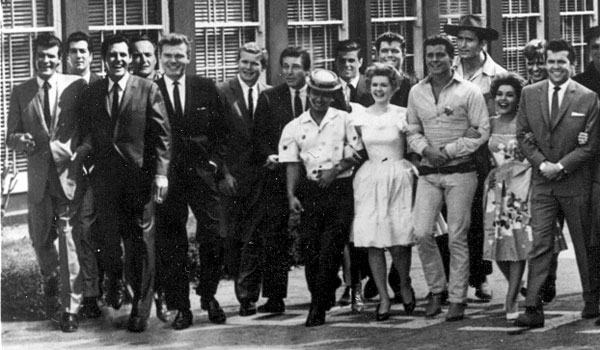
576,17
221,28
519,21
314,25
395,16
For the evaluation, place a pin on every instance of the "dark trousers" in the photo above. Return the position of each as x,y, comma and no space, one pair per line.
172,239
125,210
324,229
478,268
544,210
89,254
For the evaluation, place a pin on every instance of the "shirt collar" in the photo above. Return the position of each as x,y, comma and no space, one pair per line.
246,86
487,68
169,82
302,90
563,86
455,78
305,117
122,82
353,81
53,80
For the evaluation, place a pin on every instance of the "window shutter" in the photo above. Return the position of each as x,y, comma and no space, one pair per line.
576,18
519,19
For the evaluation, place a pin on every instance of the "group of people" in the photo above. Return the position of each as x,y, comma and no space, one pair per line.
469,165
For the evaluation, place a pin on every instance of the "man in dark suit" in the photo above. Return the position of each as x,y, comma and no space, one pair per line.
276,107
199,128
126,127
42,123
241,186
551,115
79,57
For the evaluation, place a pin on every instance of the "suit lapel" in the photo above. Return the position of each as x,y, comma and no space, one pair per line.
106,97
238,92
543,98
127,93
60,86
38,106
566,102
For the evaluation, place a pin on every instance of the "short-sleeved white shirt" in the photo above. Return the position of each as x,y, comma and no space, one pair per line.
319,147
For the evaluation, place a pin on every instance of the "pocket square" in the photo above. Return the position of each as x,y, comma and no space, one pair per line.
201,108
577,114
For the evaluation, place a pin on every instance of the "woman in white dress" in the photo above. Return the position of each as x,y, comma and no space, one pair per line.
383,188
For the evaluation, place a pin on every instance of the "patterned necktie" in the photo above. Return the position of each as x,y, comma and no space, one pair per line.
177,98
47,115
554,108
250,104
297,104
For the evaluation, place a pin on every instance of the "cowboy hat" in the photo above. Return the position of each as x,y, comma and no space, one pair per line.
472,23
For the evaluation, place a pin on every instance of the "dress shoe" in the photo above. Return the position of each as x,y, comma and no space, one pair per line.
444,297
137,324
434,307
380,317
272,306
358,304
215,313
162,312
345,299
89,308
410,307
316,317
114,294
247,308
68,322
590,310
548,292
532,318
183,319
456,312
370,291
484,291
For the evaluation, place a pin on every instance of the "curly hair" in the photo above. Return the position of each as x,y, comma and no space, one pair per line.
509,78
385,70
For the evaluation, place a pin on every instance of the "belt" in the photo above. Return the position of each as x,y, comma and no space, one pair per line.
465,167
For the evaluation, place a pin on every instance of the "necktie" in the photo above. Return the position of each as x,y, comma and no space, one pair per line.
352,93
177,98
250,104
554,108
114,111
297,104
47,115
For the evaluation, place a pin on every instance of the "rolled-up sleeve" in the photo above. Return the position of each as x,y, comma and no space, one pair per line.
289,150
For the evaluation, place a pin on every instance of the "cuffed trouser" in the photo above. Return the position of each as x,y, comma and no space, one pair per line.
544,210
56,207
324,229
457,190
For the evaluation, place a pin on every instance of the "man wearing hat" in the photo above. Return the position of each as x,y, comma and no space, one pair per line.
474,64
322,144
590,78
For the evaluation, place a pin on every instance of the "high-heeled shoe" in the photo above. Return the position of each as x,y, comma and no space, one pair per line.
410,307
381,317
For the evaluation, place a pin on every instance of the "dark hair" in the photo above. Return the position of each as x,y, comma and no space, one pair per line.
560,45
115,39
253,48
47,40
390,37
173,39
296,52
440,40
79,36
534,49
508,78
384,70
348,46
142,37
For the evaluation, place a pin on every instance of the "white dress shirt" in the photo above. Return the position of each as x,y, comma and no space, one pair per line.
561,93
246,89
170,86
303,95
52,92
122,83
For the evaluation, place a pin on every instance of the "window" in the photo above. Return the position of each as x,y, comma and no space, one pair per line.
576,17
221,28
452,10
128,17
22,21
398,17
520,20
315,25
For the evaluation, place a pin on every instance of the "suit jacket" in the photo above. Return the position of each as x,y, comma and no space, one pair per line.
240,144
26,116
94,78
199,136
541,139
141,135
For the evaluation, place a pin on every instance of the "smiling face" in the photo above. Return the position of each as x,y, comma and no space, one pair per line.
79,58
47,61
536,69
506,100
249,67
559,66
293,72
144,59
437,59
391,53
320,101
381,89
117,61
174,59
348,64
